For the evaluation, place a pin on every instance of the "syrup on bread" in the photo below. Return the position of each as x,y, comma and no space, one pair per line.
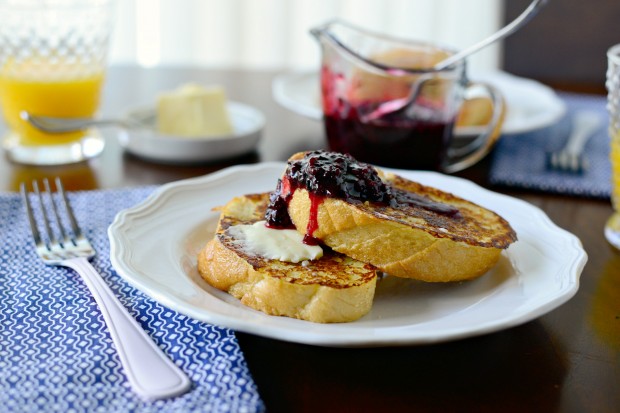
419,232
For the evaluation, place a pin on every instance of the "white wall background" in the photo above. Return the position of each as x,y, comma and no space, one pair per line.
273,34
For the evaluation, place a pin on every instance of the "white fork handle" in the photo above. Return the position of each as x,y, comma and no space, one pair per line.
585,123
150,372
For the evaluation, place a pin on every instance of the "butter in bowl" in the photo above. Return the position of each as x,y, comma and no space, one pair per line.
193,124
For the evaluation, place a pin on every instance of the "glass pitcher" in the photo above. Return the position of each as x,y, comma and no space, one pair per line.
383,102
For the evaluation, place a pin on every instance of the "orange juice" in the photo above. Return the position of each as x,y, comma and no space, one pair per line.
615,170
50,94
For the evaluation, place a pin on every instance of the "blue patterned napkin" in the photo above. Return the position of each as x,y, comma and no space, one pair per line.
55,352
520,160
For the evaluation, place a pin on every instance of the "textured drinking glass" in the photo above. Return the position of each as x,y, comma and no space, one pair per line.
52,63
612,228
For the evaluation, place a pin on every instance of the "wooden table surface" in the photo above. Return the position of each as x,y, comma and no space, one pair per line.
565,361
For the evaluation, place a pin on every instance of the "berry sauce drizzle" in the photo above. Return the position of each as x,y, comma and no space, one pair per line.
335,175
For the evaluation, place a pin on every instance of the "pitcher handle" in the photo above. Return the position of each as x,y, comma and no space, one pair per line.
465,156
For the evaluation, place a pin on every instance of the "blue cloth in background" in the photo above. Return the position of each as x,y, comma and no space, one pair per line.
520,160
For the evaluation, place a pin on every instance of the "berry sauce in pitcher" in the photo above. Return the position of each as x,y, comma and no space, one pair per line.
392,140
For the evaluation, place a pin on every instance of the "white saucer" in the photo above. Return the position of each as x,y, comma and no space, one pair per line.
248,123
530,105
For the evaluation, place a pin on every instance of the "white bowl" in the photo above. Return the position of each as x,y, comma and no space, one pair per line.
145,142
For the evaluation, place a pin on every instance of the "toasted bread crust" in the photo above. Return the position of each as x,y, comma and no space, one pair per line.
477,226
409,241
334,288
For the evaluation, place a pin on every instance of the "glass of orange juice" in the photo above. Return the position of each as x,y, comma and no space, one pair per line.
612,228
52,63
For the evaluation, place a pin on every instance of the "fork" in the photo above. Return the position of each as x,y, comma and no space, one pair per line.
570,158
151,374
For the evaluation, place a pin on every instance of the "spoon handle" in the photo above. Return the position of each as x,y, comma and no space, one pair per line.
522,19
63,125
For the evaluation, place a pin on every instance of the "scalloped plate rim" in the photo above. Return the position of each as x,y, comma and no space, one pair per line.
214,306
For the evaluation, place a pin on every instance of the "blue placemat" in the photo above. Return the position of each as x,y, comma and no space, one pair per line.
55,352
520,160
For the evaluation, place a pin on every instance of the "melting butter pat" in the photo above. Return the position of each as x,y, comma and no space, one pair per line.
193,110
275,244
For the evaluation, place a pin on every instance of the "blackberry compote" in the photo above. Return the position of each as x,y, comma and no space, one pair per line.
335,175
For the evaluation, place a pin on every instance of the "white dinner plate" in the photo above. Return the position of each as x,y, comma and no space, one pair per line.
247,121
530,105
154,247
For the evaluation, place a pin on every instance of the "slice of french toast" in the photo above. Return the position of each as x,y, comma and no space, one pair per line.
419,232
333,288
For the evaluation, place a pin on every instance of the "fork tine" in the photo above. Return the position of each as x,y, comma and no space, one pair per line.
50,248
61,228
77,231
46,221
33,224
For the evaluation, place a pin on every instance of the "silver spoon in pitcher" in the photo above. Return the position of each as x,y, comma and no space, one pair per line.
398,104
507,30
